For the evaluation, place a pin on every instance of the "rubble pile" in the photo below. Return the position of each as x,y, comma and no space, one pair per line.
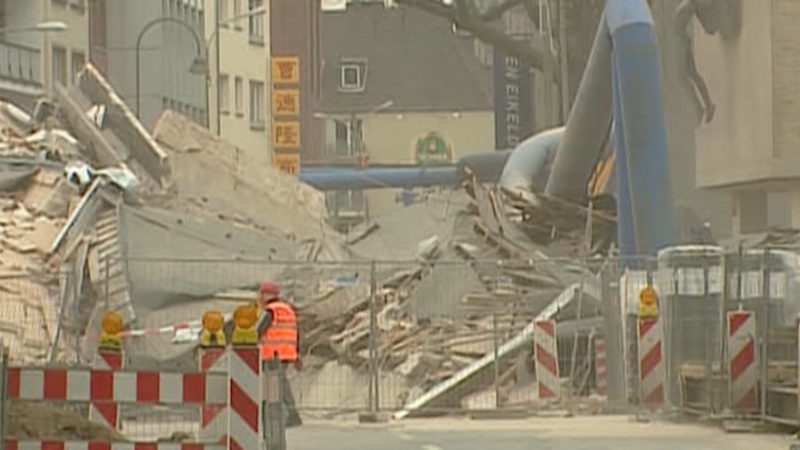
87,193
35,199
29,420
419,347
210,174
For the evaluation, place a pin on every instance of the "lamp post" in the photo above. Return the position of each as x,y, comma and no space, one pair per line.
197,67
215,37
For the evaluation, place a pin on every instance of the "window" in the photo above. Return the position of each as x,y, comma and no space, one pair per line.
78,61
223,12
353,75
257,104
346,144
347,204
237,11
60,65
238,94
256,22
224,94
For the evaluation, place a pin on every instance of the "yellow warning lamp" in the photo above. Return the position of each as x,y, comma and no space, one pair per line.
212,334
244,325
111,327
648,303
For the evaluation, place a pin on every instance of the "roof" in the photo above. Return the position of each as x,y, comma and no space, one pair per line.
413,59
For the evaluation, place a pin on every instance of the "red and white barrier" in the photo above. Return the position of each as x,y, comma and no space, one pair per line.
244,413
122,387
213,418
106,413
546,355
83,445
742,367
651,362
600,368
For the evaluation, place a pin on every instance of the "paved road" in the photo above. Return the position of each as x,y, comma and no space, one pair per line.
600,432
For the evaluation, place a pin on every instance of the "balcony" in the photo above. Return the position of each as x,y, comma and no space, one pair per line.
20,64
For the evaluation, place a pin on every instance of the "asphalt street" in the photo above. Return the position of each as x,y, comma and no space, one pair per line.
599,432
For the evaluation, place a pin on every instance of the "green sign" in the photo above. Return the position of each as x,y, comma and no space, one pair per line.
432,149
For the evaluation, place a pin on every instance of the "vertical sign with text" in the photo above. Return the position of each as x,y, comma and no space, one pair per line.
286,114
513,100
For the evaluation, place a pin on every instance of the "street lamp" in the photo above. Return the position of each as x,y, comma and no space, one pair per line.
215,36
198,64
42,27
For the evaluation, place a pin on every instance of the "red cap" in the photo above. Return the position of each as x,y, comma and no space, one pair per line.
269,287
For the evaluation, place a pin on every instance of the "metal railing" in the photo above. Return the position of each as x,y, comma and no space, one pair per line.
20,63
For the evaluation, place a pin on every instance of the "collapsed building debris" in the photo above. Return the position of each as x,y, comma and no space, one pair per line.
94,214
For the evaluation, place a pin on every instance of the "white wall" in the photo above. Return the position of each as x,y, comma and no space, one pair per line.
74,39
240,57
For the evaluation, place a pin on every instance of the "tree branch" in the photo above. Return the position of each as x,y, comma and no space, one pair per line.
527,54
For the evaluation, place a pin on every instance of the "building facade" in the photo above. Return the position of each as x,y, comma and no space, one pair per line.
749,151
30,61
169,75
295,33
240,73
404,90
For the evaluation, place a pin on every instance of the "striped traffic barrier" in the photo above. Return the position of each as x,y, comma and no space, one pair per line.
546,356
162,388
651,363
213,418
106,413
742,367
84,445
244,406
600,372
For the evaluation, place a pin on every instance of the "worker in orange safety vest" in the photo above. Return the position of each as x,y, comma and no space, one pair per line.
278,338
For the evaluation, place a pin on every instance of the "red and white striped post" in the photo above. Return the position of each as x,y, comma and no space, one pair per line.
100,445
742,367
106,412
102,386
546,355
213,418
244,398
651,363
600,368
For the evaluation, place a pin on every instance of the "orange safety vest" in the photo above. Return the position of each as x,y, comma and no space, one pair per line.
281,336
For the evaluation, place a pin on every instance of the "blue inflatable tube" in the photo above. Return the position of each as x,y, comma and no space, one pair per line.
636,65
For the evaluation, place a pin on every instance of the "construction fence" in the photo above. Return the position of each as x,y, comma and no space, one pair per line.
411,337
728,330
381,335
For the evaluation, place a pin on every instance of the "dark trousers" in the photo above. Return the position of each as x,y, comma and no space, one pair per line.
290,417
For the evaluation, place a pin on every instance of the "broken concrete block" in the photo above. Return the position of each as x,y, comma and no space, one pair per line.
19,246
22,214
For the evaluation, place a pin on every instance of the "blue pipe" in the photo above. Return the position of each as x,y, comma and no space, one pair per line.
625,237
487,166
335,179
635,58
